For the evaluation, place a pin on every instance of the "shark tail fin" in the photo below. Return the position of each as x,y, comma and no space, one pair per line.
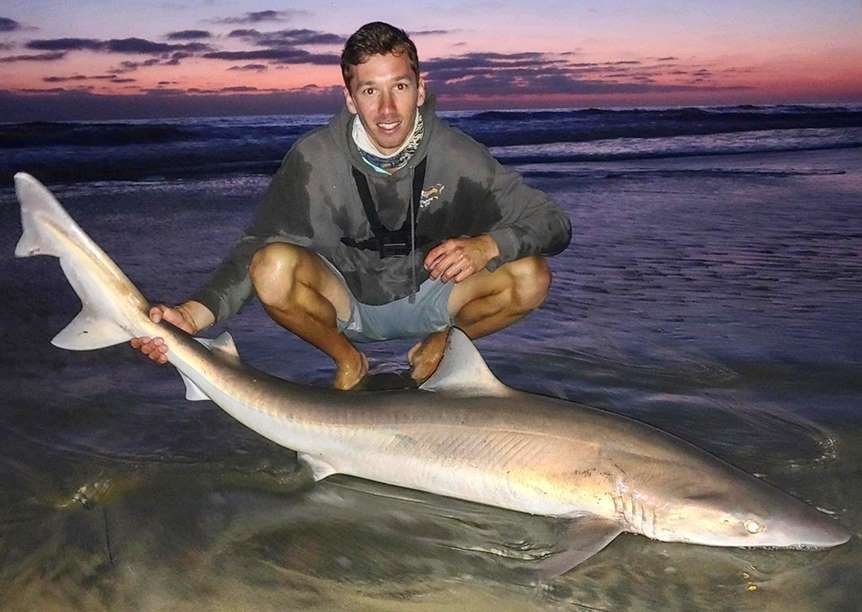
39,211
49,230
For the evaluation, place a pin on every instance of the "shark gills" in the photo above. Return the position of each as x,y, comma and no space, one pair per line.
463,434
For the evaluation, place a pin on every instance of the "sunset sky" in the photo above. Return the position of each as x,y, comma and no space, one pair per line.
94,59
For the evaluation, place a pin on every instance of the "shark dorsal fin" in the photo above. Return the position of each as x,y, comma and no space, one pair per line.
221,344
463,371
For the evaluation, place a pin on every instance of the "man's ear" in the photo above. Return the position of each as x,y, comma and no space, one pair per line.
421,89
348,100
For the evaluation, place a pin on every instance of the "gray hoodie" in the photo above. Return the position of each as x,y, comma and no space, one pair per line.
313,202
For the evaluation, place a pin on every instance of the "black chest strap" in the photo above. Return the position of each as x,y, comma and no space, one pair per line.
386,241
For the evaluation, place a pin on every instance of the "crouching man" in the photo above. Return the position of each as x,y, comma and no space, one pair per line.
386,223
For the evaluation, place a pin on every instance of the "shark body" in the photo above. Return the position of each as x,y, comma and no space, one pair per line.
464,434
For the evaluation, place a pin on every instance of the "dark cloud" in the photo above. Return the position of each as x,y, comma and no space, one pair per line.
129,66
501,85
79,77
58,79
285,55
66,44
176,58
245,33
188,35
163,92
39,57
301,37
114,45
258,17
9,25
260,54
280,38
667,59
478,64
317,59
499,75
83,77
139,45
250,68
432,32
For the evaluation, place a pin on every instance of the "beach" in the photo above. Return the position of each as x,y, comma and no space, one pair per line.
712,289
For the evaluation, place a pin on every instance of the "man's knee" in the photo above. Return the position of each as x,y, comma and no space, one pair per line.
273,271
531,280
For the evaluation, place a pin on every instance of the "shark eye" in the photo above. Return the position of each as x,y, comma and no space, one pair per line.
752,526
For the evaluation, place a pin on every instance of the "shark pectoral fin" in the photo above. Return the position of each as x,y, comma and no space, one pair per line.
463,371
88,331
319,468
585,536
193,392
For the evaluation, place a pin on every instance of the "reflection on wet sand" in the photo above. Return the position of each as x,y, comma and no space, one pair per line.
180,537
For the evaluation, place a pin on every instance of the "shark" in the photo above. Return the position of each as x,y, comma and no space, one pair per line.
462,434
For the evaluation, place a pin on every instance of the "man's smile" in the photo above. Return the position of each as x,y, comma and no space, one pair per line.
391,126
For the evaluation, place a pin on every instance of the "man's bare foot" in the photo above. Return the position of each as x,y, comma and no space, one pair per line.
350,373
425,356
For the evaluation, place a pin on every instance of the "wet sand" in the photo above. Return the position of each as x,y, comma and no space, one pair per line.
715,297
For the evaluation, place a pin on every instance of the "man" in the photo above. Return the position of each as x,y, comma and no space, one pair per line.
386,223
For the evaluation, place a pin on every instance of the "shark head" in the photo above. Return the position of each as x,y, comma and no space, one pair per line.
747,512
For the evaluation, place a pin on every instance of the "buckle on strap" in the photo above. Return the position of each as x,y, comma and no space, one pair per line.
385,241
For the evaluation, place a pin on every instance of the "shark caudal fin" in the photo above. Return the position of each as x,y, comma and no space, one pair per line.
103,288
39,211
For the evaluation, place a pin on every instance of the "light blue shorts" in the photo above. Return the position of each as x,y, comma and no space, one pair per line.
428,313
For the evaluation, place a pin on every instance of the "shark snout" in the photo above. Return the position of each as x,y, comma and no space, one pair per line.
827,534
806,527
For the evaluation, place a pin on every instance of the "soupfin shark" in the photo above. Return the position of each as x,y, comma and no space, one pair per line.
463,434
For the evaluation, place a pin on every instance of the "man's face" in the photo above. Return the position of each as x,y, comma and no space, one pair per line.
384,93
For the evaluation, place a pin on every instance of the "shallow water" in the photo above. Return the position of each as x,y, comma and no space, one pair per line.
717,298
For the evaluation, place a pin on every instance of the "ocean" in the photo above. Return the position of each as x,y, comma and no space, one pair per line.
713,289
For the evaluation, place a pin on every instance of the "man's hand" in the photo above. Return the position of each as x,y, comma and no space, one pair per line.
191,317
457,259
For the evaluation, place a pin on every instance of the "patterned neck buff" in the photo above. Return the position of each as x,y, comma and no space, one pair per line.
387,164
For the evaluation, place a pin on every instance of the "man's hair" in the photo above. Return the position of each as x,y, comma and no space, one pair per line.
376,38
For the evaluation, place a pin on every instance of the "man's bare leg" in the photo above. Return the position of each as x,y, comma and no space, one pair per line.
484,303
302,294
